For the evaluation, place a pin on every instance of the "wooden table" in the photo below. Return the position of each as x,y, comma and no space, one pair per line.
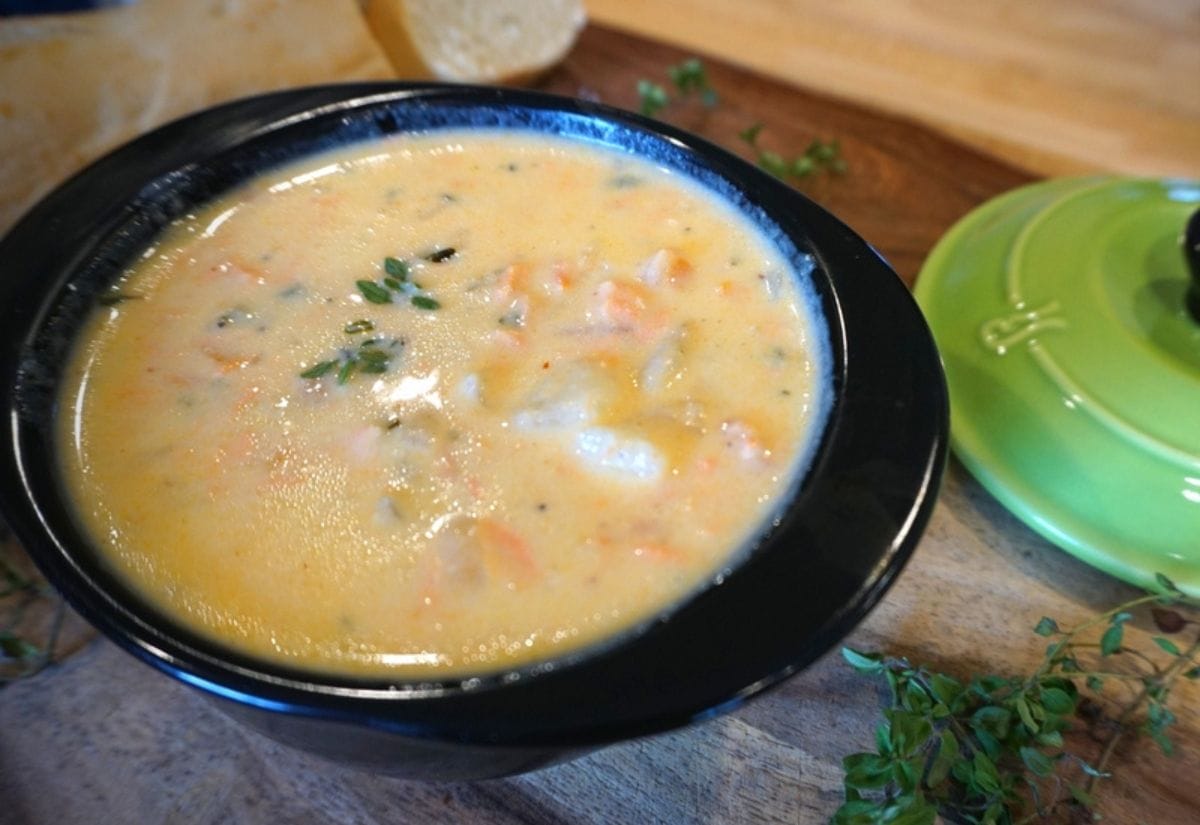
1060,88
102,738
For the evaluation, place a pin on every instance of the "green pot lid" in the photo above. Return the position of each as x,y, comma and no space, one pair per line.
1074,367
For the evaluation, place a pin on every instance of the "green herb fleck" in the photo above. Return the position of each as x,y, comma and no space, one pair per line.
691,77
396,268
372,356
441,255
624,181
318,369
820,156
21,656
373,292
653,97
361,325
750,134
425,302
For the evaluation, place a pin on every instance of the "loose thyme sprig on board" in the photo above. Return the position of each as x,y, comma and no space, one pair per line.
690,78
991,750
820,156
20,656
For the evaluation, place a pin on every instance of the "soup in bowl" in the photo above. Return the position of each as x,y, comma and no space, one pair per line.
454,431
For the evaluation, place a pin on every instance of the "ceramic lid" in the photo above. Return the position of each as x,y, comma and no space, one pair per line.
1074,366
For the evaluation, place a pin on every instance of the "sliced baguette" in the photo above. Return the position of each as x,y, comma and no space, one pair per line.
74,86
475,41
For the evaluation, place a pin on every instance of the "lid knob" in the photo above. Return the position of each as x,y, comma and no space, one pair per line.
1191,253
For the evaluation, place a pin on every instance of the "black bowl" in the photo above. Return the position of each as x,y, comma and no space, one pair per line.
843,538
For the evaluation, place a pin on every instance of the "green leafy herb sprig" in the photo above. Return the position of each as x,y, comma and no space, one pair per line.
397,283
820,156
372,356
690,78
992,749
19,656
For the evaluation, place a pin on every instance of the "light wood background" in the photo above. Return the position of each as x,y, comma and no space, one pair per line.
1057,86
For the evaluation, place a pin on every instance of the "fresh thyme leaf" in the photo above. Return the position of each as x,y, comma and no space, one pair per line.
862,662
318,369
346,370
373,292
1046,627
373,357
691,77
361,325
398,286
1110,642
750,134
1167,645
15,647
21,656
774,163
653,97
804,166
425,302
396,268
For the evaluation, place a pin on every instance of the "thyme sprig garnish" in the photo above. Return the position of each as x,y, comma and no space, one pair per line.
397,283
690,78
991,751
372,356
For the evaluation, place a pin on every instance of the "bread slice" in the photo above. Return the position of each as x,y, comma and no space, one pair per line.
74,86
477,41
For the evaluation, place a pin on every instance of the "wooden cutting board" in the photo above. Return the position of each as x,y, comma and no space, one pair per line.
102,738
905,185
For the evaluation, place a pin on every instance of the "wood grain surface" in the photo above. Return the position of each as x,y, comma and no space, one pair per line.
100,738
1060,88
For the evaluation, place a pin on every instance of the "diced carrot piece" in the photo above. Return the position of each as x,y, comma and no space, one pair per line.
512,546
560,277
657,551
513,281
622,303
227,362
510,338
666,266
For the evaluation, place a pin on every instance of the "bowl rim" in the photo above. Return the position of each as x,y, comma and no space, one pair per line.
853,523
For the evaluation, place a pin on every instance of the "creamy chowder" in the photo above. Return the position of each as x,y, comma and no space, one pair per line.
442,404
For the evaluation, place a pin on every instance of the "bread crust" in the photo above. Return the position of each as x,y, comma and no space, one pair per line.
75,86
